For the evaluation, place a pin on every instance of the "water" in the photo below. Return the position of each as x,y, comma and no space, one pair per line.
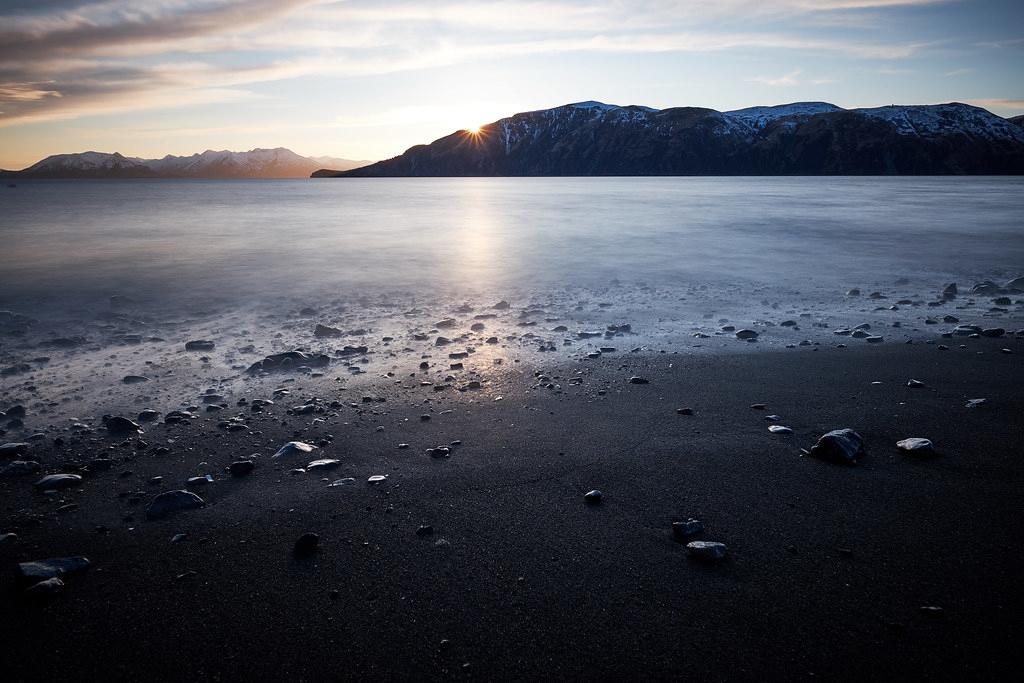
178,241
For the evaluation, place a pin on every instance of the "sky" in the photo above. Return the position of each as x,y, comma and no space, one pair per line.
368,79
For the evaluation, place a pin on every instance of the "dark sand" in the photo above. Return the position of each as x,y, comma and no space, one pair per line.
828,566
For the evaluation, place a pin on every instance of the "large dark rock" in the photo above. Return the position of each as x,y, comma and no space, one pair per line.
288,361
840,445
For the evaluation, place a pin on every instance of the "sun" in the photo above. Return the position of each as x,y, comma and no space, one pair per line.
473,130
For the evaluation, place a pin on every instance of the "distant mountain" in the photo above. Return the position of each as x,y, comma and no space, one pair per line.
804,138
256,163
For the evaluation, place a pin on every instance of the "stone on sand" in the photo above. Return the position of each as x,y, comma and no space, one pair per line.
707,551
56,482
839,445
293,448
916,446
41,570
170,502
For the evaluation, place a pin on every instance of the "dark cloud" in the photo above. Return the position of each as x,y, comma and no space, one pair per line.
77,33
52,59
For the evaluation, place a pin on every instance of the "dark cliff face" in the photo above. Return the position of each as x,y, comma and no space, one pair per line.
802,139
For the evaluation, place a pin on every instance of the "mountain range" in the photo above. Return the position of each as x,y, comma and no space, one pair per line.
803,138
256,163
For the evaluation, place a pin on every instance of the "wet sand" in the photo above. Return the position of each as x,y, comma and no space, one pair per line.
828,566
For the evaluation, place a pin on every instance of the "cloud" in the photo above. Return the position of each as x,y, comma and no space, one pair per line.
790,79
786,80
67,58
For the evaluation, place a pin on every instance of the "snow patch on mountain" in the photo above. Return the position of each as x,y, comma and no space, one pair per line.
759,117
944,119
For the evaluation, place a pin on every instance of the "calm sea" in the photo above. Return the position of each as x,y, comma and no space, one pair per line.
74,240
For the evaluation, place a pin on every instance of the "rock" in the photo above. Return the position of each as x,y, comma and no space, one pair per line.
377,479
501,306
323,464
306,545
976,402
853,292
293,448
57,482
839,445
199,345
425,530
916,446
170,502
684,411
746,334
14,449
447,323
687,528
240,468
875,339
119,426
966,330
638,380
949,291
1016,284
288,361
779,429
195,482
41,570
134,379
706,551
45,589
16,467
148,415
325,331
593,497
993,332
915,383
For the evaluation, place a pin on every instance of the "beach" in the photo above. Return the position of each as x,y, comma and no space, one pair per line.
476,555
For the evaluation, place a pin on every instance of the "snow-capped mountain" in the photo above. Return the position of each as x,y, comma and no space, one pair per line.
256,163
803,138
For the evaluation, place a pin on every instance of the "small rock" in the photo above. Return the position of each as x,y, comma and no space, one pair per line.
40,570
240,468
293,448
306,545
916,446
593,497
706,551
687,528
119,426
57,482
170,502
